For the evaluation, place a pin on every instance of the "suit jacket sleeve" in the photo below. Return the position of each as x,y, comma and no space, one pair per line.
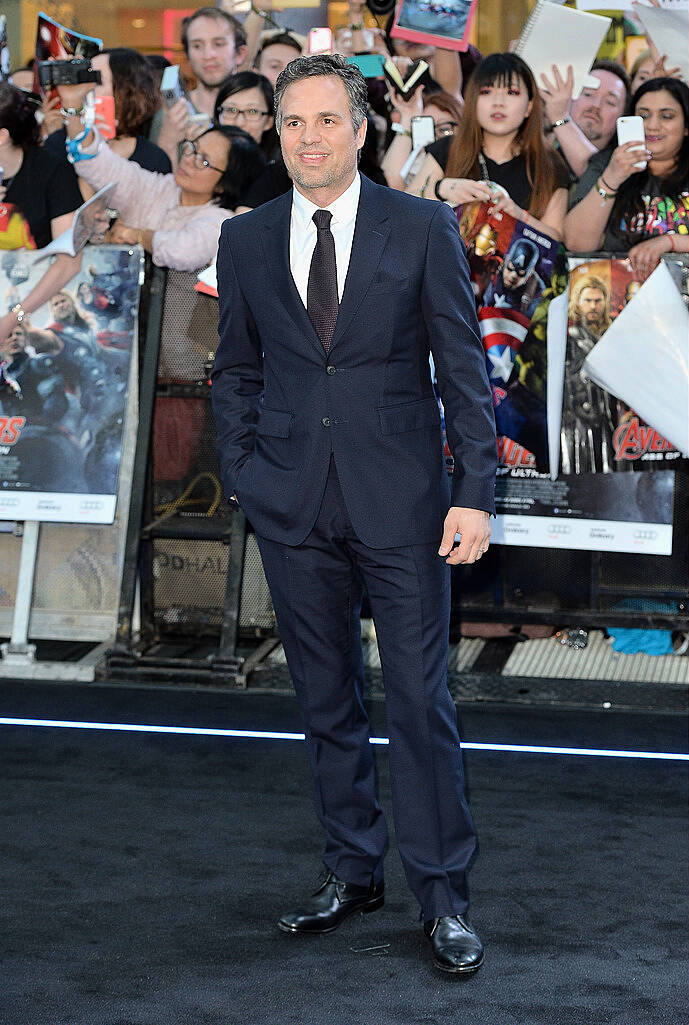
449,312
238,370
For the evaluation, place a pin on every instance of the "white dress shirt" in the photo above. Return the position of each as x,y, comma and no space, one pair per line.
302,235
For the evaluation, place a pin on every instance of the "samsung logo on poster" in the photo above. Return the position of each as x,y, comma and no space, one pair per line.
92,505
645,535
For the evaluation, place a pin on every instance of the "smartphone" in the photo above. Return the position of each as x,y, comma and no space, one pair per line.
104,107
369,64
422,131
631,129
320,40
171,86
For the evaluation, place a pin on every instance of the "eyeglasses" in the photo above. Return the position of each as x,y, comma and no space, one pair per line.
251,115
446,127
200,162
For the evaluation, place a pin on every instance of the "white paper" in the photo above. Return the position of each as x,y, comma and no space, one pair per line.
208,280
556,342
643,358
561,35
630,5
669,30
83,227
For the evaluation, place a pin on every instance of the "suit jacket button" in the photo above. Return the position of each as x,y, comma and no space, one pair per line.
330,370
326,421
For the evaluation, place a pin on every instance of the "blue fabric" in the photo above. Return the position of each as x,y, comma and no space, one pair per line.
282,406
649,642
317,589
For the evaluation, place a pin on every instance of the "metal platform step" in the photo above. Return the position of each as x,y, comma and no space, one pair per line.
546,657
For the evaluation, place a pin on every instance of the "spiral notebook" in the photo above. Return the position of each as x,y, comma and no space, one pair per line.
561,35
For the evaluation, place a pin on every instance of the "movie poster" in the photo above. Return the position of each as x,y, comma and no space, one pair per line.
64,374
599,433
515,273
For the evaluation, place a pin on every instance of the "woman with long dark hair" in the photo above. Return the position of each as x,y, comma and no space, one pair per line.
642,210
245,100
499,142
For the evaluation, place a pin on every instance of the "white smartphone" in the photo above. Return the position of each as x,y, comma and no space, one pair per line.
320,40
631,129
422,131
171,86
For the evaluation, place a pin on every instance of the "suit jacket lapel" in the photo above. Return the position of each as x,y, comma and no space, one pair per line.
275,240
370,235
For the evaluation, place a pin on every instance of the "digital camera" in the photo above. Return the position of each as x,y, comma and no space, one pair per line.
67,72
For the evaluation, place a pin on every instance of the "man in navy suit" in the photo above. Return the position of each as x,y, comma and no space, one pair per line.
331,298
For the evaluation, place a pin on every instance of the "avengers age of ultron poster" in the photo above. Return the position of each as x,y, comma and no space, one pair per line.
64,378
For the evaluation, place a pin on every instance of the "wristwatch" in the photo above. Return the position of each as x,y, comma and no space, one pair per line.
72,111
19,312
399,129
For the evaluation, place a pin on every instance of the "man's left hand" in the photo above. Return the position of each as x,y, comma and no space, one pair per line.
474,527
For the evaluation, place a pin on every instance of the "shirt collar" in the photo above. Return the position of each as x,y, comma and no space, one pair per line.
343,209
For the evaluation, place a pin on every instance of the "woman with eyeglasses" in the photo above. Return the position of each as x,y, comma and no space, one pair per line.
245,100
176,217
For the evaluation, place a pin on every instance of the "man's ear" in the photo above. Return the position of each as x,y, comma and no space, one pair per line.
240,52
361,134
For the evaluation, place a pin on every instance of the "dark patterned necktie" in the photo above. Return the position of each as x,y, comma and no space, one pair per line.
321,292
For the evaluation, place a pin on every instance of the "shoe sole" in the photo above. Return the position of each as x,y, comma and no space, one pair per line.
470,970
363,909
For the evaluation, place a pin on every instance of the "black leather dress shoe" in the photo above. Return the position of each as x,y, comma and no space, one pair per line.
456,947
333,901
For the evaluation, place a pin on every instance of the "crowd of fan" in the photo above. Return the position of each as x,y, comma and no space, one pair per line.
182,169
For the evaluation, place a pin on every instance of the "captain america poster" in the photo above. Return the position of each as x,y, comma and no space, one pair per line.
64,381
515,272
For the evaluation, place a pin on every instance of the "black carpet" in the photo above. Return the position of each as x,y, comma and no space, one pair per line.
142,875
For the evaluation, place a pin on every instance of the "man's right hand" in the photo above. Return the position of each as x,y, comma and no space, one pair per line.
176,124
557,94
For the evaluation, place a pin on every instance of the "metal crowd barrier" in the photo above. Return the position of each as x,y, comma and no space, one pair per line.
194,601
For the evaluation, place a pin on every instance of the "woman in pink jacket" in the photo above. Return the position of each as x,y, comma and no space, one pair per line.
176,217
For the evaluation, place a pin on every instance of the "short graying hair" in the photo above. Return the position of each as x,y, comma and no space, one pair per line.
318,66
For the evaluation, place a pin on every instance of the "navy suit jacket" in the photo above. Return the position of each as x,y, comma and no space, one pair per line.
282,406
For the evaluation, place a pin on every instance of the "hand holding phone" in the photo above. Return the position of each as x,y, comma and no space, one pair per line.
631,129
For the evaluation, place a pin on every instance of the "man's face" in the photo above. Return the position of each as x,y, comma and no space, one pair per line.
14,344
273,59
596,110
592,305
512,277
318,141
62,307
212,52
